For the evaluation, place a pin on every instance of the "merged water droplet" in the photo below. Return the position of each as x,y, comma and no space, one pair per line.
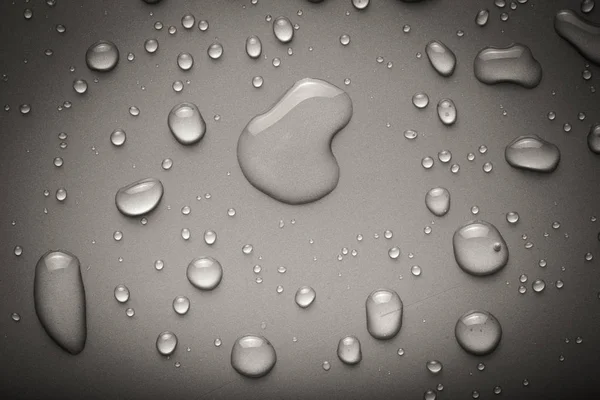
514,64
205,273
305,296
582,34
593,139
253,356
59,298
437,201
286,151
166,343
447,111
478,332
181,305
532,153
349,351
479,248
253,46
102,56
139,197
186,123
440,56
384,313
283,29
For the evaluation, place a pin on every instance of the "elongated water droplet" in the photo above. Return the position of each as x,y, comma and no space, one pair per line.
482,17
437,201
593,139
349,351
384,314
181,305
166,343
253,356
440,56
102,56
139,197
305,296
513,64
59,297
582,34
253,46
447,111
479,249
283,29
186,123
286,151
205,273
478,332
532,153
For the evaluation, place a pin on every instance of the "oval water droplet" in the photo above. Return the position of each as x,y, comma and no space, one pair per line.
349,351
253,46
447,111
384,314
102,56
513,64
283,29
482,17
478,332
253,356
205,273
210,237
286,151
186,123
305,296
532,153
582,34
440,56
166,343
181,305
479,248
59,297
437,201
593,139
139,197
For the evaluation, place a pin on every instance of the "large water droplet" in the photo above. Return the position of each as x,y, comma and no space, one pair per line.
139,197
102,56
514,64
349,351
384,314
166,343
532,153
478,332
205,273
437,201
186,123
479,249
253,46
305,296
59,297
582,34
286,151
283,29
253,356
447,111
442,59
593,139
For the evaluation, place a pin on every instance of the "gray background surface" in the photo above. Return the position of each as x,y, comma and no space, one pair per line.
382,186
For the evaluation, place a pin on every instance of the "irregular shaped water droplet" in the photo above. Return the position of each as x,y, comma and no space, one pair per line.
166,343
253,356
479,249
139,197
513,64
440,56
582,34
286,151
437,201
205,273
593,139
349,351
305,296
186,123
283,29
102,56
478,332
59,297
253,46
384,314
532,153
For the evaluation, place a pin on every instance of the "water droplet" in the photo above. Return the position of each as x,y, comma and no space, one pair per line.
134,111
181,305
384,314
582,34
532,153
482,17
186,123
305,296
440,56
360,4
118,137
538,285
434,366
410,134
61,194
58,162
186,234
415,270
512,217
427,162
247,249
488,167
589,256
188,21
139,197
185,61
231,212
481,366
406,28
205,273
122,293
253,46
151,45
445,156
479,249
253,356
283,29
159,265
257,81
118,235
287,164
215,51
349,351
394,252
478,332
514,64
102,56
437,201
203,25
80,86
15,317
593,139
420,100
345,39
25,109
18,250
166,343
210,237
447,111
59,297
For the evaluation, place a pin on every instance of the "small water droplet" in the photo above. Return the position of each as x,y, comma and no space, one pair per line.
478,332
181,305
384,313
205,273
349,351
447,111
166,343
434,366
305,296
538,285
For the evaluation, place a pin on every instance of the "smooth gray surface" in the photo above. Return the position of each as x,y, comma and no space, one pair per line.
382,186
